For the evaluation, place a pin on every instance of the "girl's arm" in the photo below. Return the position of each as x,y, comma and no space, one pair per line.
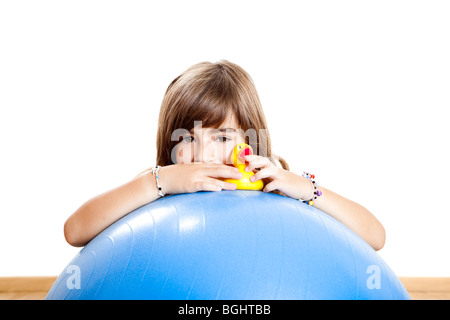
351,214
101,211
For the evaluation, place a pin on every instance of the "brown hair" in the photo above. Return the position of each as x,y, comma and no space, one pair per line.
209,92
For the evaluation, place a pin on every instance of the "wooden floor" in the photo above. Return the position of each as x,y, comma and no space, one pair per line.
25,288
36,288
427,288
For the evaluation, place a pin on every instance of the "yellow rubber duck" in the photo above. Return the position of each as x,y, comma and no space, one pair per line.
238,160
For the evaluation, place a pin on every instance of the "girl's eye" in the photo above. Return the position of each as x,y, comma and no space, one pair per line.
188,139
223,139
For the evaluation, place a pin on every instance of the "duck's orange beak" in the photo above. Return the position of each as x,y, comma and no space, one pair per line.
245,152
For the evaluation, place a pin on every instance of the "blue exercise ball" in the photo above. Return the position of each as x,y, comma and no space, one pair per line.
231,245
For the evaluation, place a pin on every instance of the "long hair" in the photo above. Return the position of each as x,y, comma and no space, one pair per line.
210,92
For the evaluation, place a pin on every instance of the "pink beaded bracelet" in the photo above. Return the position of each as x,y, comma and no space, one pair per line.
314,193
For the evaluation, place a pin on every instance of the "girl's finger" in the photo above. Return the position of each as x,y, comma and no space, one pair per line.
259,162
215,185
206,186
223,171
227,185
223,185
271,186
251,157
263,173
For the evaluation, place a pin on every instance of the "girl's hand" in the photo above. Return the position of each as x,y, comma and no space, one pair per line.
187,178
275,178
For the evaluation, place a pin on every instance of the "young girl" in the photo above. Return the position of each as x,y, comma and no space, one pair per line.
205,112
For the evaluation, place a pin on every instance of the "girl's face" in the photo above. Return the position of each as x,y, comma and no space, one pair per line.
209,145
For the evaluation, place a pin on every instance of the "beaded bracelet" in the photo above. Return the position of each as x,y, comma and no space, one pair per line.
154,171
314,193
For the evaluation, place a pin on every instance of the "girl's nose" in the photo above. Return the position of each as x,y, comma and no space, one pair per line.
206,153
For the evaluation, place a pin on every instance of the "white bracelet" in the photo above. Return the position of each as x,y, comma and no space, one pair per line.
154,171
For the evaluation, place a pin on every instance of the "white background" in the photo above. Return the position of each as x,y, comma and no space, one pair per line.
354,91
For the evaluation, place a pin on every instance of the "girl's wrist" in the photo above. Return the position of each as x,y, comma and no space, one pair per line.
156,177
305,188
293,185
155,172
314,191
163,180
